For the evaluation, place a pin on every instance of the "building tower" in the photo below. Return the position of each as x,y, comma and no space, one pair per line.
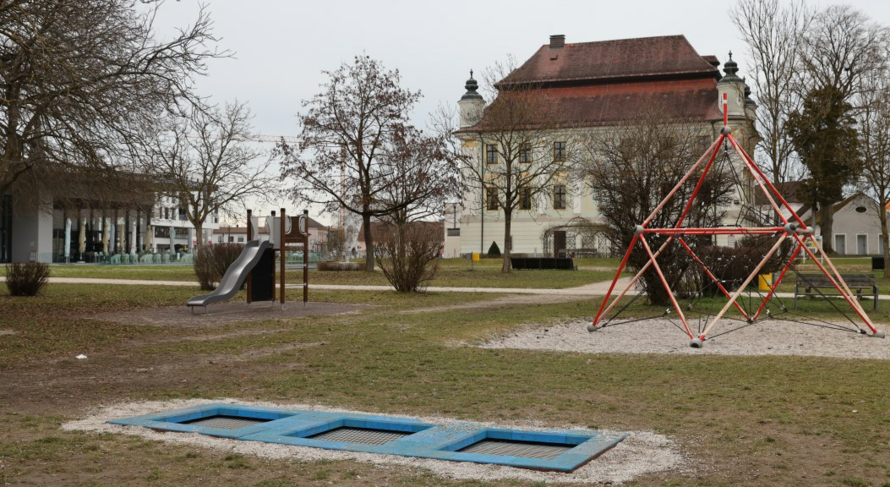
734,88
471,104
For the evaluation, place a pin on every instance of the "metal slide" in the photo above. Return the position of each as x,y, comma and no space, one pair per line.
235,275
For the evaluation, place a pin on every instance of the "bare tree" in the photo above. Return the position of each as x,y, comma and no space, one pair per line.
206,159
773,34
840,47
525,151
82,80
359,151
874,144
632,168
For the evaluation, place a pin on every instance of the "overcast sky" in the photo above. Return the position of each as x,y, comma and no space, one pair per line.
281,46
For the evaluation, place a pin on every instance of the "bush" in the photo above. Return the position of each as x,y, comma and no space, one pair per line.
494,250
26,278
212,261
409,254
732,265
332,265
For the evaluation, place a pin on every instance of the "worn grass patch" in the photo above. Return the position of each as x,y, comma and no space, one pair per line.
767,421
452,273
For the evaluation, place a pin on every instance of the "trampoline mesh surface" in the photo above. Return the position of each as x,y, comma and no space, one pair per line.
365,436
517,449
225,422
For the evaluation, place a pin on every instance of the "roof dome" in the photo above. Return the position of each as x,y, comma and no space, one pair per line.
471,87
730,68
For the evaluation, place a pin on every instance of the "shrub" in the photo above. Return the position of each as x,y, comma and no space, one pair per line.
494,250
212,261
332,265
409,254
26,278
732,265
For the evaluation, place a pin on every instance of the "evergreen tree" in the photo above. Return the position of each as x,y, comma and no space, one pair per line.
823,133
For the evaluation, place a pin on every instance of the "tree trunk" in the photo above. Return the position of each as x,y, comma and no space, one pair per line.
508,241
199,234
827,224
369,243
882,216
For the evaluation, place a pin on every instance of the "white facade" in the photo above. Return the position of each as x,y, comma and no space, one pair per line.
856,229
171,229
479,226
452,231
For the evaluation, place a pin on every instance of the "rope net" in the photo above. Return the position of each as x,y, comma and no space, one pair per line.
712,289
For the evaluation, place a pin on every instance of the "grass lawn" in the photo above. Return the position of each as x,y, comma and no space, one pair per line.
765,421
451,273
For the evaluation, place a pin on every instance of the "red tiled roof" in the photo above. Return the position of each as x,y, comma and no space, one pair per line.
609,82
262,228
666,56
790,190
594,105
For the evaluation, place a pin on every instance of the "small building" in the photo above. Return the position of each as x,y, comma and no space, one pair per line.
856,229
318,234
377,227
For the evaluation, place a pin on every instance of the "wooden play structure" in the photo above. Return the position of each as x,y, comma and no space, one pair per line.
283,236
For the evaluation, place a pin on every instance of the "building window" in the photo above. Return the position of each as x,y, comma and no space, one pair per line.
221,239
491,153
525,153
525,198
240,239
491,198
559,197
182,214
231,239
166,213
559,151
162,232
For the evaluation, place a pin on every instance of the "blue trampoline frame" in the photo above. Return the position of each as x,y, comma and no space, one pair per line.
439,442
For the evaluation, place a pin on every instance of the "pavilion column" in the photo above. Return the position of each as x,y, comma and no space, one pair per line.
81,235
105,223
138,230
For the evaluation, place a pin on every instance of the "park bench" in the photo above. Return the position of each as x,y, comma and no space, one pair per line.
813,284
559,263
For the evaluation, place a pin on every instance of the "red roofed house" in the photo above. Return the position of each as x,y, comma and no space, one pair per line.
597,85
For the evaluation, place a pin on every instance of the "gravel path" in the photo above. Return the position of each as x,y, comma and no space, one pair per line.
660,336
640,454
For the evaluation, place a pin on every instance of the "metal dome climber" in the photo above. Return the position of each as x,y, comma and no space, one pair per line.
792,229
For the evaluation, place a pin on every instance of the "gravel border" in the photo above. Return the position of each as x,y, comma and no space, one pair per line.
660,336
640,454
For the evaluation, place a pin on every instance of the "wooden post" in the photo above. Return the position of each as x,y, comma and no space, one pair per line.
305,260
280,243
249,238
272,239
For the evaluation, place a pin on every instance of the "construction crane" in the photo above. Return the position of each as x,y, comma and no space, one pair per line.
263,139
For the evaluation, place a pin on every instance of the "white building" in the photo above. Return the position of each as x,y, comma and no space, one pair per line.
172,231
595,86
94,231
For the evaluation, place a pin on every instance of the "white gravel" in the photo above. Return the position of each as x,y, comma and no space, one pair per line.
640,454
659,336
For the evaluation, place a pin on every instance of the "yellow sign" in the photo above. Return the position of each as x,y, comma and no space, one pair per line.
475,256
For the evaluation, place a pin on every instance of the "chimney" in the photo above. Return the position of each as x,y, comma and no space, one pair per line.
557,41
